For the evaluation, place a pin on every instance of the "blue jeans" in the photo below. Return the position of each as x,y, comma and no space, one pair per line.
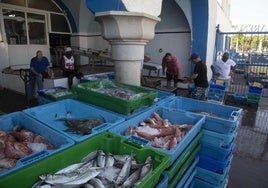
31,86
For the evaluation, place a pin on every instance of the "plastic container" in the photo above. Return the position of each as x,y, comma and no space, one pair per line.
104,141
50,114
217,166
255,88
191,162
216,94
85,93
213,178
188,176
199,183
42,100
217,85
219,118
218,139
163,181
43,92
61,142
173,116
191,151
99,76
216,153
240,96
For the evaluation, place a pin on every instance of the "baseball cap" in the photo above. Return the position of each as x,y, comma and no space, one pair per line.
193,56
68,49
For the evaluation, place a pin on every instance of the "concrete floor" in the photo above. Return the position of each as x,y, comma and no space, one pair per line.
249,167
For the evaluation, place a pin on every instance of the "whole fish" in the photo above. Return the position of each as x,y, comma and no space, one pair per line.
133,178
109,160
90,156
101,158
97,183
82,126
124,173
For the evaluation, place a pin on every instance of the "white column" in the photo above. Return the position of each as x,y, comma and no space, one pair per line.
128,33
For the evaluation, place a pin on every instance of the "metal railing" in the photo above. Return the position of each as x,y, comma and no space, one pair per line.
247,74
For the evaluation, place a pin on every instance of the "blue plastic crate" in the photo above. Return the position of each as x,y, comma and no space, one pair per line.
163,181
240,96
174,116
61,142
219,118
218,139
42,100
199,183
216,153
254,89
216,94
188,176
50,114
212,84
213,178
217,166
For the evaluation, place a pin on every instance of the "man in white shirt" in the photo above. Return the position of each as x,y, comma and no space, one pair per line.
224,68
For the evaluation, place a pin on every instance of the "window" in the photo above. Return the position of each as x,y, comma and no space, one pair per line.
59,23
36,28
14,22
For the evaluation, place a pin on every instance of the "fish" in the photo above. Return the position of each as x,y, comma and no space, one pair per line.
146,169
90,156
133,178
101,158
97,183
7,163
82,126
124,173
109,160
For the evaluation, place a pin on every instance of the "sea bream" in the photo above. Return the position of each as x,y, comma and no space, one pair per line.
82,125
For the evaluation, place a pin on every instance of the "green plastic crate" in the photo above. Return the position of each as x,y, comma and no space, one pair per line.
84,93
105,141
184,168
193,148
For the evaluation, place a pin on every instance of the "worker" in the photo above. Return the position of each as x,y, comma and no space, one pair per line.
171,67
223,68
199,77
69,67
39,69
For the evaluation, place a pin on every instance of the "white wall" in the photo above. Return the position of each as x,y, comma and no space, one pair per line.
178,44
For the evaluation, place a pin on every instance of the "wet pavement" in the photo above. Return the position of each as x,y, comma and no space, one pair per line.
250,163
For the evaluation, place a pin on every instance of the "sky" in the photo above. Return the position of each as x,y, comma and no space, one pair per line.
249,12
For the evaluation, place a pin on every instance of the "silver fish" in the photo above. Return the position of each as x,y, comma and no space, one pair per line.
69,168
90,156
88,185
101,158
133,178
147,168
85,177
58,178
97,183
124,173
109,160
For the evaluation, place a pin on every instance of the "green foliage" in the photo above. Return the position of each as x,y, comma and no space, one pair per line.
245,42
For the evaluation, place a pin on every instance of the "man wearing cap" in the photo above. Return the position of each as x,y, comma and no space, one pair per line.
69,67
199,77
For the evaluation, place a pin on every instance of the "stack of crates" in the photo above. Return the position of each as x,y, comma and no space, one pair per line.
254,93
217,142
216,91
